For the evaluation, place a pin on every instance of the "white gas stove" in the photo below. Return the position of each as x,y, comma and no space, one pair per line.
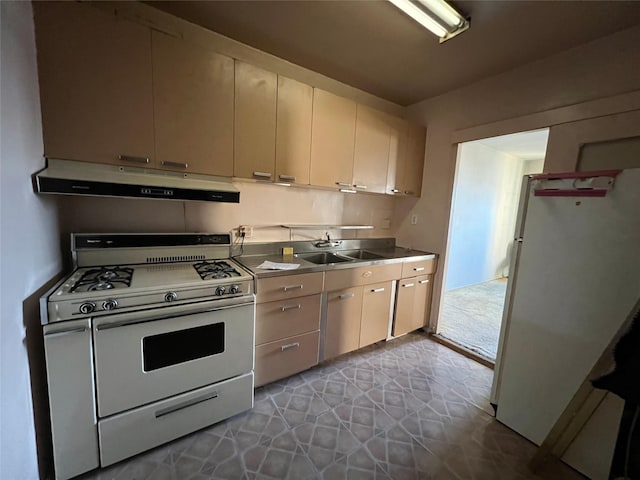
152,336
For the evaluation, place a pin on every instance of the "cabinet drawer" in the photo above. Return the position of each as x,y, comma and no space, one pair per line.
285,357
281,319
140,429
289,286
353,277
421,267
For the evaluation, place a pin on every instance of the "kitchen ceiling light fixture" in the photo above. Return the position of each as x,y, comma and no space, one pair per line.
437,16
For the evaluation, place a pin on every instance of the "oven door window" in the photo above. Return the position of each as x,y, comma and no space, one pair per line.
172,348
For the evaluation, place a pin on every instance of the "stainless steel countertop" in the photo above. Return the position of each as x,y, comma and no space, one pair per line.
391,255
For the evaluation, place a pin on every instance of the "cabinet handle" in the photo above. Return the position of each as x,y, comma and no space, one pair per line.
408,192
346,295
65,332
342,184
262,174
291,178
395,190
291,307
423,281
129,158
360,186
348,190
418,269
377,290
290,345
175,164
188,403
292,287
408,285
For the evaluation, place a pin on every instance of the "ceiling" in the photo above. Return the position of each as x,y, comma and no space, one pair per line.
530,145
373,46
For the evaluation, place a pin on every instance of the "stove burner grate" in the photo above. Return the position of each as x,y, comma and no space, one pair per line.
105,278
215,270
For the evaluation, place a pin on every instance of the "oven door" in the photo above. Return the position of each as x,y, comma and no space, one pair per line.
145,356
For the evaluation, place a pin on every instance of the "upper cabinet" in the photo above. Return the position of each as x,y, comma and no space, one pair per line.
193,107
293,131
406,158
332,140
95,85
255,122
371,157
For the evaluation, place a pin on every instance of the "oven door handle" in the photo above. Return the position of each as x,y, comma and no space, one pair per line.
187,404
134,321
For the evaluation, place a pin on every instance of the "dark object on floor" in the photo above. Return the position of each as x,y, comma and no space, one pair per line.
624,381
626,457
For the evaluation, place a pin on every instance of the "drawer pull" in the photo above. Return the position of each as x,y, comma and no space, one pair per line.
418,269
262,174
187,404
175,164
408,285
395,190
423,281
409,192
346,295
290,345
290,178
129,158
291,307
377,290
360,186
292,287
342,184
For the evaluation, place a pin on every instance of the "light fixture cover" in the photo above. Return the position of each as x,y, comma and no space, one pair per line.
437,16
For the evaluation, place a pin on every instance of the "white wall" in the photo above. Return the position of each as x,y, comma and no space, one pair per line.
483,214
28,237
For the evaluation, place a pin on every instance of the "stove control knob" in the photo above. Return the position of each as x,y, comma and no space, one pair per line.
87,307
234,289
220,291
110,304
170,297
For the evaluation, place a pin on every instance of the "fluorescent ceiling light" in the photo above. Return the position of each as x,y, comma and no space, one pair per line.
437,16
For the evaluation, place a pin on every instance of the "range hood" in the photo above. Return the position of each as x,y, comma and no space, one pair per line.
69,177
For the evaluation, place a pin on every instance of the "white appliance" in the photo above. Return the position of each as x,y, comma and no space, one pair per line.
151,337
574,279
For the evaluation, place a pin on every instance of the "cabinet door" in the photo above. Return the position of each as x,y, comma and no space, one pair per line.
371,155
413,160
376,306
293,131
405,303
344,310
332,140
422,301
193,107
95,85
255,122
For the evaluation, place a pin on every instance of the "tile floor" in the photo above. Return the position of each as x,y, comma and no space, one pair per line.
471,316
405,409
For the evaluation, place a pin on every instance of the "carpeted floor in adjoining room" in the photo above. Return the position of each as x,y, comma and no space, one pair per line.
405,409
471,316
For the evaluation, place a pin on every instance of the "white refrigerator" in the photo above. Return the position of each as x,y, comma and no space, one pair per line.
574,279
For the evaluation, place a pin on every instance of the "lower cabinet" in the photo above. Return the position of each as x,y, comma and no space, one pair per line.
413,304
357,317
344,311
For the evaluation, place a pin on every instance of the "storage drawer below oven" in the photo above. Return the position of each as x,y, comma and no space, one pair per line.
140,429
285,357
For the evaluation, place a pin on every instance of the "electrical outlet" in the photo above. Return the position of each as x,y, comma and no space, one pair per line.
245,231
414,219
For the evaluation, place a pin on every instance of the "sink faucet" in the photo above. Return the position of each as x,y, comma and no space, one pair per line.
328,243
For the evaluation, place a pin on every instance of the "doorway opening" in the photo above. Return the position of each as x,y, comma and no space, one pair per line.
484,211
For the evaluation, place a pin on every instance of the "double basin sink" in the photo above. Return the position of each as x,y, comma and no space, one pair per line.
327,258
